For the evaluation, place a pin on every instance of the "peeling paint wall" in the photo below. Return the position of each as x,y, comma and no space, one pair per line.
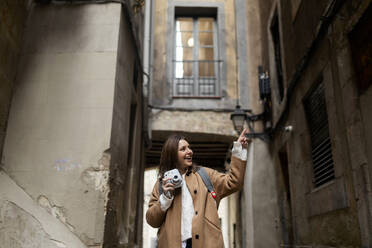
20,229
24,224
61,115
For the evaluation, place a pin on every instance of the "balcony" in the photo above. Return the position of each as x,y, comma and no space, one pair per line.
196,78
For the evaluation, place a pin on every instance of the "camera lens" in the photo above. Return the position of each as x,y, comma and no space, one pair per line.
175,177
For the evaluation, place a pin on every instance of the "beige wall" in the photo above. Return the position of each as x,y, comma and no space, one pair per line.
159,78
260,213
149,233
196,121
23,223
60,120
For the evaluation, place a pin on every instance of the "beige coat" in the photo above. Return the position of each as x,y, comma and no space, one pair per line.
206,230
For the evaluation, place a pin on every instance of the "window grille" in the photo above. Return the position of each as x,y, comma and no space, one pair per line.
317,119
195,64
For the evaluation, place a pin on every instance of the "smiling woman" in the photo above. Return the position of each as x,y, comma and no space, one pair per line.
187,216
184,155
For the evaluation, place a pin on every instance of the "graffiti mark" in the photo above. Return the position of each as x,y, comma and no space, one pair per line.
65,165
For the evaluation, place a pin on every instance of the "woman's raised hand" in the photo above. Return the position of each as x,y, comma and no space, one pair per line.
244,140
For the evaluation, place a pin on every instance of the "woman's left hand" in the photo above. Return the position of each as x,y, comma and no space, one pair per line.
244,140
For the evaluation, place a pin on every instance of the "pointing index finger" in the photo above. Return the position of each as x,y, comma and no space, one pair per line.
243,132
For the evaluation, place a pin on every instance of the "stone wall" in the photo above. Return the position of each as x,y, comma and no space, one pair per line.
336,214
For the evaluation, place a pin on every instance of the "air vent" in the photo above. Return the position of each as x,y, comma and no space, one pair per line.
317,119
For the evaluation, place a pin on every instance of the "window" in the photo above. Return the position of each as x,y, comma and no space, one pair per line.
274,28
195,62
321,148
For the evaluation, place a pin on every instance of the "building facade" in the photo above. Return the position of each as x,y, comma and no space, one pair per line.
72,161
309,185
318,55
196,83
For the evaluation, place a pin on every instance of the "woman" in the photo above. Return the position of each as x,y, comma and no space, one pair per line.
187,216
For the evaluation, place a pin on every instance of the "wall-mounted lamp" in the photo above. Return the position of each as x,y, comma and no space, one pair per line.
239,117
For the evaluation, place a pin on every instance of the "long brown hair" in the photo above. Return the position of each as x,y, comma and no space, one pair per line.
169,154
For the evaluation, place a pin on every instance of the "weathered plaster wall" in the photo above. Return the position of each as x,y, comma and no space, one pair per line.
260,214
318,213
123,225
23,223
60,119
13,14
195,121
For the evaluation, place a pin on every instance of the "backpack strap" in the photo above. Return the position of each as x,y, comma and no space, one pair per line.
207,181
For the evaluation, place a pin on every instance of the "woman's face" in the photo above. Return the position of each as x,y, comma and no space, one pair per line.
184,154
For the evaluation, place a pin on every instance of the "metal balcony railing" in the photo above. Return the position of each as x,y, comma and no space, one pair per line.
196,78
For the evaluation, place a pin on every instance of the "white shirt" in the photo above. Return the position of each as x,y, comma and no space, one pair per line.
187,203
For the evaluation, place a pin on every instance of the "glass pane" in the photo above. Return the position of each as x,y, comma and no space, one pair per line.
184,87
184,39
183,69
207,87
184,53
206,38
206,24
184,24
206,53
206,68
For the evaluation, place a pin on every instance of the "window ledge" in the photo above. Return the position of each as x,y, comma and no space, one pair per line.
328,197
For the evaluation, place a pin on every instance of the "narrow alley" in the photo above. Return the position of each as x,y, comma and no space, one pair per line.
92,89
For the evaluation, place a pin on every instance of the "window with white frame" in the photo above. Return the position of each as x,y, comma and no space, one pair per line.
195,61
